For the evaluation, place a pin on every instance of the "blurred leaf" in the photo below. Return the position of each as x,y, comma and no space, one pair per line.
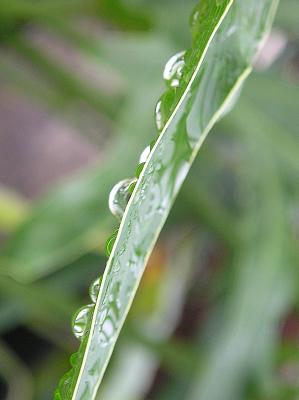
263,286
70,86
13,210
39,302
196,197
10,314
74,219
18,377
263,90
287,16
47,373
31,9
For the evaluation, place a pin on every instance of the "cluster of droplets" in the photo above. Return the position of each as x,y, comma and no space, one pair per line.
80,323
176,74
122,191
120,196
173,75
118,200
82,316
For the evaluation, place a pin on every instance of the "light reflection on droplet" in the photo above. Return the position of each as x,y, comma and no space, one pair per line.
144,155
119,197
158,114
80,321
174,69
94,289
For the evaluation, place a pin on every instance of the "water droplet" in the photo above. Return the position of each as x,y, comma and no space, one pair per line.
173,71
159,117
144,155
94,289
119,197
110,243
163,109
80,321
64,387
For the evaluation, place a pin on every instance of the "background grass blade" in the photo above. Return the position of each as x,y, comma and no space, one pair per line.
262,290
43,243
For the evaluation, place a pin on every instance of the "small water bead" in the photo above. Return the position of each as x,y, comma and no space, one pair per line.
80,321
119,197
164,108
110,243
144,155
158,115
94,289
173,71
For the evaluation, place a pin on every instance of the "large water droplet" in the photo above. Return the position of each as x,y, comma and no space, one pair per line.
94,289
119,197
173,71
80,321
144,155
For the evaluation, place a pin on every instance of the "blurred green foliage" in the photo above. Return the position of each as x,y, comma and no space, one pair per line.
217,316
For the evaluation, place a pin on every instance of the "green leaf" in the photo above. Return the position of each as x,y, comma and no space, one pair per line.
205,91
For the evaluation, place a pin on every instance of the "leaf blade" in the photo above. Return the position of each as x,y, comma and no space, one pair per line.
164,172
80,391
